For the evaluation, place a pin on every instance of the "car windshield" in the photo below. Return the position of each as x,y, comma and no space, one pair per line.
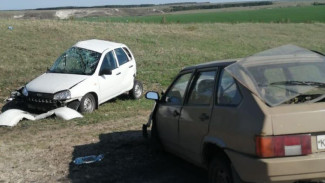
76,61
283,75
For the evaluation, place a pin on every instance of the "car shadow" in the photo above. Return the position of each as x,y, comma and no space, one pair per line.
128,157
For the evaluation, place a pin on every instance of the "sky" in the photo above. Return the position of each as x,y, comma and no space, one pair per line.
32,4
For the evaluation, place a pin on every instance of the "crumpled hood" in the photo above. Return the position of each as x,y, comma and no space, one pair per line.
54,82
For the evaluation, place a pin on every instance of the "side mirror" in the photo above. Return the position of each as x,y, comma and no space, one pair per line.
105,72
152,95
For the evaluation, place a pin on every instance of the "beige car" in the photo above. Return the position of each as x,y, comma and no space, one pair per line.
259,119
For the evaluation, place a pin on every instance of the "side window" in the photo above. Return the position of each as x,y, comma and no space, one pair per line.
121,56
127,52
228,93
109,62
176,93
202,89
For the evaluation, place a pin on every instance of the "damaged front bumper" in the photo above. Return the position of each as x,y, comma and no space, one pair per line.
41,101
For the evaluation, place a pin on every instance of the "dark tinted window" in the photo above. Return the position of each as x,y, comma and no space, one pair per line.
202,91
176,93
228,93
121,56
109,62
127,52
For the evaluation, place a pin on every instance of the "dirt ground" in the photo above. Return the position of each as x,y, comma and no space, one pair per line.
46,154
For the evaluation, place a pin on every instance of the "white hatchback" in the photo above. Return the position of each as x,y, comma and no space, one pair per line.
88,74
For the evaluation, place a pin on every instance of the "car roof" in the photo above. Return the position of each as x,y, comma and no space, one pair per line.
217,63
98,45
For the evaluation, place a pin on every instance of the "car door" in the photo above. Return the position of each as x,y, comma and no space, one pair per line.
169,109
126,67
196,113
109,84
226,113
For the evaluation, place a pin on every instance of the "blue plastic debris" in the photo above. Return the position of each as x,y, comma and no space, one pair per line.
88,159
11,28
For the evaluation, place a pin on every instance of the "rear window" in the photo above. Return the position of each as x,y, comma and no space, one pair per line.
127,51
283,75
121,56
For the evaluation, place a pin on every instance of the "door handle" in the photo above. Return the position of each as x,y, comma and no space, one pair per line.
130,66
204,117
118,73
176,113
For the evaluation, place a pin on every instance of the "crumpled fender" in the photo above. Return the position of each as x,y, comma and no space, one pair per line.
66,113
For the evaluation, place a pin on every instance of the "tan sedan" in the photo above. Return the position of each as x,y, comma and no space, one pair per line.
259,119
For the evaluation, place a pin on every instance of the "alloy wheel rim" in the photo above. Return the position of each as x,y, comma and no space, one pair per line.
88,105
137,90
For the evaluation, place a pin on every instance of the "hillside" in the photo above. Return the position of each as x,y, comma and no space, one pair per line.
146,9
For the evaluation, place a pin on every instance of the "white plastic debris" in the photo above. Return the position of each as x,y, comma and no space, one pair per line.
66,113
11,117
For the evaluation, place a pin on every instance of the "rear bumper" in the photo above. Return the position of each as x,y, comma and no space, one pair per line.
286,169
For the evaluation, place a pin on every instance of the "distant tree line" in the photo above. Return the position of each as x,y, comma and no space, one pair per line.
318,4
174,6
216,6
105,6
182,3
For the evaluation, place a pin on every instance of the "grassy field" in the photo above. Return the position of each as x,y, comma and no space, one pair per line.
160,50
303,14
42,151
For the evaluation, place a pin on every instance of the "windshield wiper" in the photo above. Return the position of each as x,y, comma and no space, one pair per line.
301,83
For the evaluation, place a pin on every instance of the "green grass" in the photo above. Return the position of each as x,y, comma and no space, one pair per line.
161,50
304,14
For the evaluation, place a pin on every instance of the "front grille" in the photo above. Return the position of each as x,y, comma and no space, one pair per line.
40,95
36,97
40,100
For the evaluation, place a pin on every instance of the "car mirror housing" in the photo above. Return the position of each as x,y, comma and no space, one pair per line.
105,72
152,95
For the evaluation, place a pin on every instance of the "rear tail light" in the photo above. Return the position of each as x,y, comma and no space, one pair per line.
278,146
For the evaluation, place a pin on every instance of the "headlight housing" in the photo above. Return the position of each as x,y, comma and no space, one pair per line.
63,95
25,91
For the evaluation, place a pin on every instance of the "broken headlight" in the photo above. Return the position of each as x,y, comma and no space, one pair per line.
25,91
63,95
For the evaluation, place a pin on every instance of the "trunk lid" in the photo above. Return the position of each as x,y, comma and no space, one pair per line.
301,119
298,118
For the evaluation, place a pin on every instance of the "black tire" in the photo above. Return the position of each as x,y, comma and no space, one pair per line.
220,171
87,104
137,90
154,132
155,140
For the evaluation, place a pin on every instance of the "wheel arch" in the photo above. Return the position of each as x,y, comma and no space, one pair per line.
213,147
217,148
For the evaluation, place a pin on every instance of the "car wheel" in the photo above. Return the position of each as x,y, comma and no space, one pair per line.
137,90
87,104
220,171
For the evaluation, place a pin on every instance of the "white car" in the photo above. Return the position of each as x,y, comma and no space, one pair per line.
88,74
